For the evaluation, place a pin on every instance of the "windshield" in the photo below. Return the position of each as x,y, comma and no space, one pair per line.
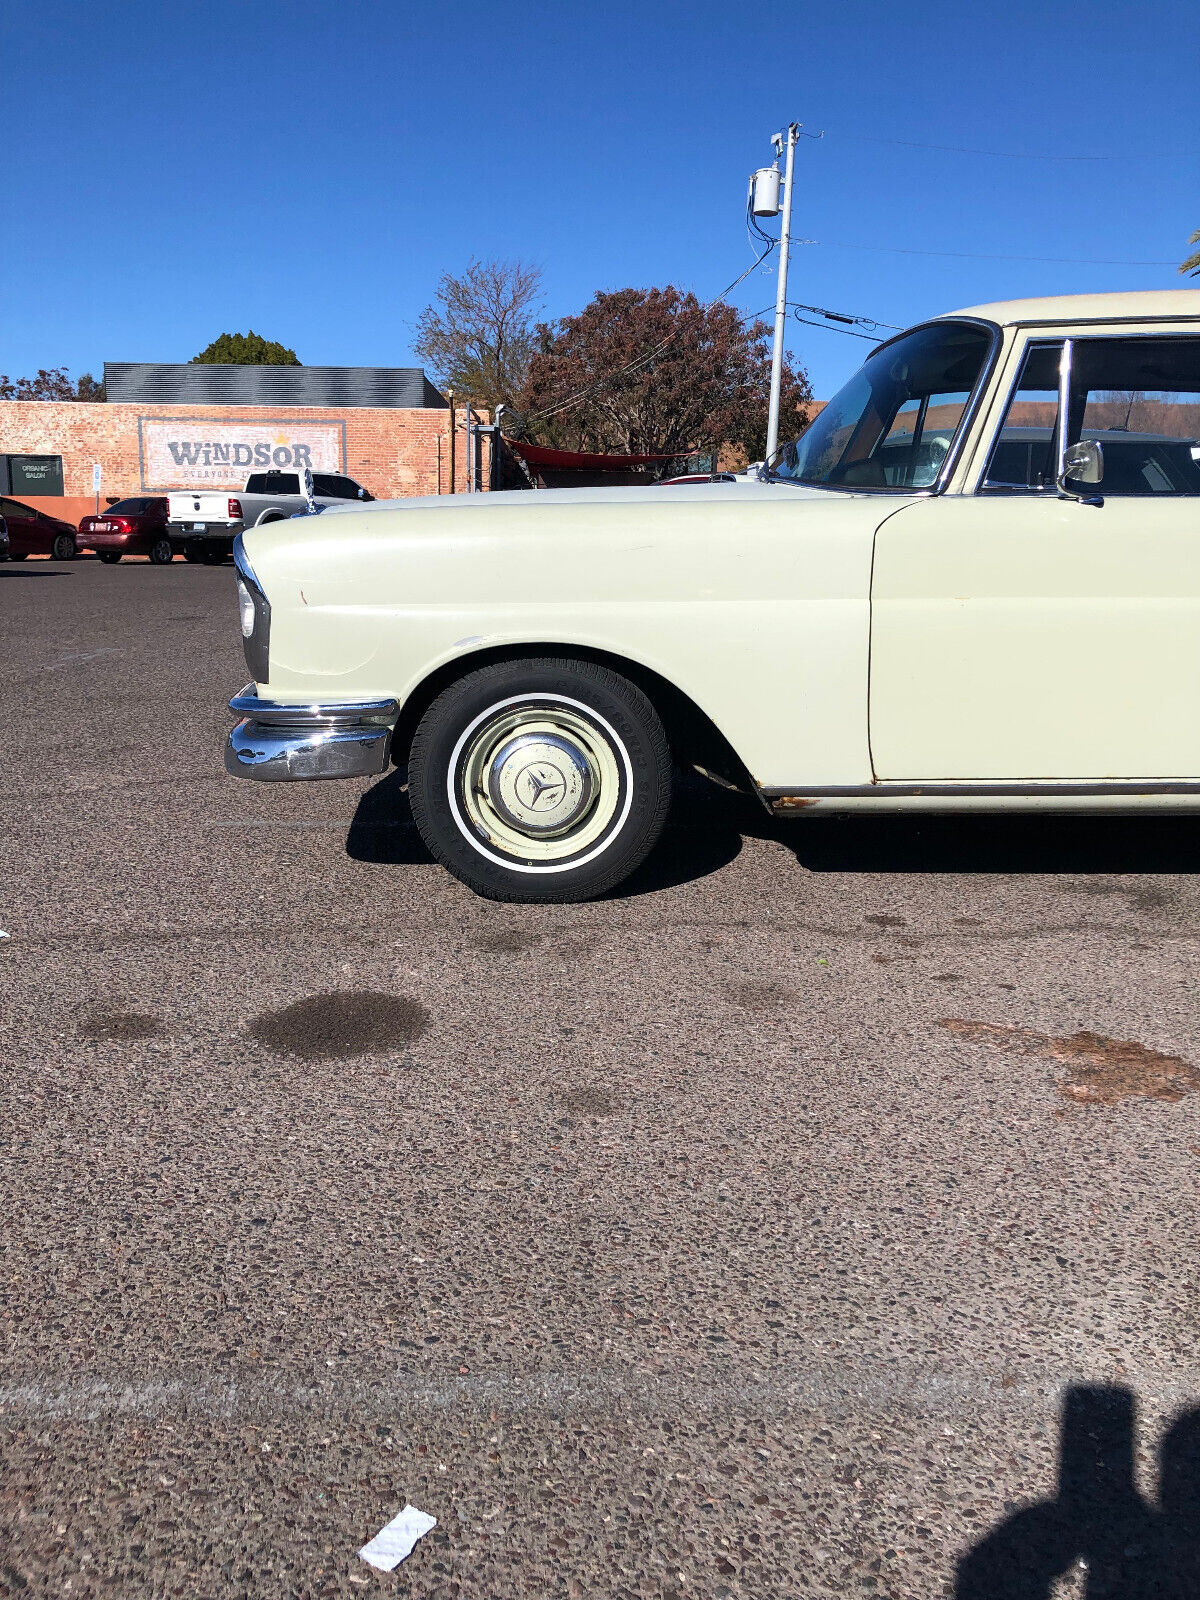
892,425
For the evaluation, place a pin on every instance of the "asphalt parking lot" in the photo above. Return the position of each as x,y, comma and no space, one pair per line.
777,1226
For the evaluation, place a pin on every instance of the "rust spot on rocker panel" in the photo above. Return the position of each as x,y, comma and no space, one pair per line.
793,802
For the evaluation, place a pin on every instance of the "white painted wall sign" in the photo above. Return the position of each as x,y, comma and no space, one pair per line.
187,452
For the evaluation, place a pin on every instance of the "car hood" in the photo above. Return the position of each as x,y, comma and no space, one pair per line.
534,500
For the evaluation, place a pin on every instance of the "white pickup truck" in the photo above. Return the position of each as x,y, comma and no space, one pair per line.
203,523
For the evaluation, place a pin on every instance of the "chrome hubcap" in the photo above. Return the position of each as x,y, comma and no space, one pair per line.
540,782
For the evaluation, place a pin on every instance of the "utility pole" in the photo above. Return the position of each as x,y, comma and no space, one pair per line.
785,238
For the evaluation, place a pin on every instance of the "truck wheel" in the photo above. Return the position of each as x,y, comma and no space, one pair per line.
63,548
192,551
543,779
110,557
161,552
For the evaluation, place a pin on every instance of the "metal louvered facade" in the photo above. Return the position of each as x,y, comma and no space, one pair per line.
188,383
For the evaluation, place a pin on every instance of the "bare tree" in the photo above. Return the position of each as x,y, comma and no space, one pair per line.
1121,405
479,335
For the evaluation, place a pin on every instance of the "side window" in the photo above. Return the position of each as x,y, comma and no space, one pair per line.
1140,398
334,487
1022,456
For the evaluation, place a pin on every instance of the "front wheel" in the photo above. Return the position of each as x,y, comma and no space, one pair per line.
161,552
63,548
110,557
540,780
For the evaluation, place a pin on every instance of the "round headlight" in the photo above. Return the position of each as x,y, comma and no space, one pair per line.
246,609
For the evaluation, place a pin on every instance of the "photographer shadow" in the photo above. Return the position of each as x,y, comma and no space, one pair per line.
1127,1547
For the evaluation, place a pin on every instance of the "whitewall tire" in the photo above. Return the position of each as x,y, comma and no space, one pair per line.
540,779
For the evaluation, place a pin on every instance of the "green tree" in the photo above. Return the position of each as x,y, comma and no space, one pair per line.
247,350
479,335
648,371
89,388
1192,264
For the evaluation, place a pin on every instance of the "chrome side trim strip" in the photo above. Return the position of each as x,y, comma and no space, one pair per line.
883,791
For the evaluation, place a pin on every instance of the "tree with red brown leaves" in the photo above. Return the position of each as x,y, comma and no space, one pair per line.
52,384
648,371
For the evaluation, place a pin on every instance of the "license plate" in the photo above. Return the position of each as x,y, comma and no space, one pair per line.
199,527
100,527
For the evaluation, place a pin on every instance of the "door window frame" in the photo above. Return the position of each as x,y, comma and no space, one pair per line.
1038,336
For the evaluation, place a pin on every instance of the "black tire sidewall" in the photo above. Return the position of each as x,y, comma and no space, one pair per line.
60,538
161,560
612,698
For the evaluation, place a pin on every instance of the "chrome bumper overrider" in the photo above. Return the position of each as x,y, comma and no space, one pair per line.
280,743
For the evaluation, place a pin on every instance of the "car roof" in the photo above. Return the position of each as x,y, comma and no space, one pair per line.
1149,305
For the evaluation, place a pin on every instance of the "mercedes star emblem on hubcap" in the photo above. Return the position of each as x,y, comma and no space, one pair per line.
540,782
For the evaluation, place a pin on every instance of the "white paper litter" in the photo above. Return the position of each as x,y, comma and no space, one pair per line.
391,1544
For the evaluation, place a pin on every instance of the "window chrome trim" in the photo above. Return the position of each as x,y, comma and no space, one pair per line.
1042,341
965,422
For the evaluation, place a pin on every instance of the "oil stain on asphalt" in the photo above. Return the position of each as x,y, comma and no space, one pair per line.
585,1101
1100,1071
336,1027
756,996
508,941
123,1025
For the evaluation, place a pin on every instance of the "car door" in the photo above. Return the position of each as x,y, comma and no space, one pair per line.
22,528
1019,635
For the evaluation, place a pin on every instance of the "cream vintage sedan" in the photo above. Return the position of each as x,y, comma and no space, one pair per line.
972,583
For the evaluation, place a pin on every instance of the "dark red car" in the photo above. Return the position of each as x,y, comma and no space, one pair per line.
134,527
33,533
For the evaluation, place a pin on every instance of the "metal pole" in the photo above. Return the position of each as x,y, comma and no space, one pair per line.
785,238
450,397
470,446
495,461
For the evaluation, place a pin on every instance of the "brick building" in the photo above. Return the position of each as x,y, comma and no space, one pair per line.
187,426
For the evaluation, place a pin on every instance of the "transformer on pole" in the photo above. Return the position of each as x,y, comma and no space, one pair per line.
793,133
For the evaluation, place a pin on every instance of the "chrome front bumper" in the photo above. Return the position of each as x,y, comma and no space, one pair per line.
278,743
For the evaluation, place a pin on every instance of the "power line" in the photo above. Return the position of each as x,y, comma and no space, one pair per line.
795,307
1002,155
974,255
639,362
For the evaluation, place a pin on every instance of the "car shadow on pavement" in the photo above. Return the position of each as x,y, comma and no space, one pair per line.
709,824
383,831
1098,1522
1042,844
31,572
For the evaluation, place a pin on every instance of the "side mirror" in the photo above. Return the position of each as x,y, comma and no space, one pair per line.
1082,463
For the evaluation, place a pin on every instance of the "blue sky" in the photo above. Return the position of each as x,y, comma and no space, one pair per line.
309,170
